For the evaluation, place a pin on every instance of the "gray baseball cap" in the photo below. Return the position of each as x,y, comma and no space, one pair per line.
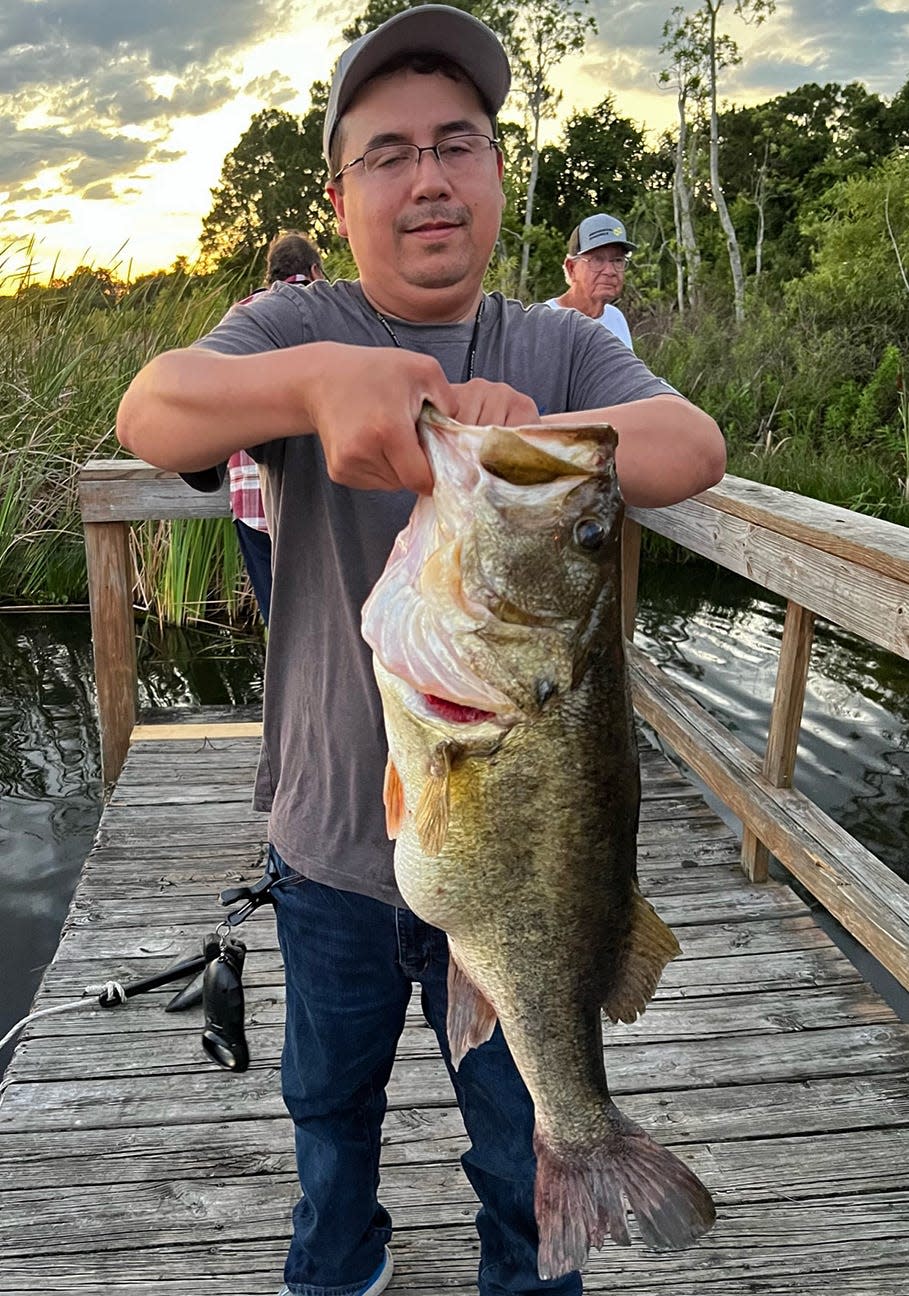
425,29
598,231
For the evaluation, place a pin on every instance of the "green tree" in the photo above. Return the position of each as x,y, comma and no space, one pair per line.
601,162
273,180
799,144
860,272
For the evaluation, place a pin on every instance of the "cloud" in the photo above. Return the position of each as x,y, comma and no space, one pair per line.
90,70
25,153
827,40
100,191
274,90
25,193
46,216
45,41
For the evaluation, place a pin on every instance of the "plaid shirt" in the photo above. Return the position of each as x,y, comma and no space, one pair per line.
245,495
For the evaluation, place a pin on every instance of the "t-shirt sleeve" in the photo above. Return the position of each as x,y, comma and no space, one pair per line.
605,372
266,322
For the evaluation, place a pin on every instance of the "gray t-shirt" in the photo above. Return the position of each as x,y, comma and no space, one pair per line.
323,751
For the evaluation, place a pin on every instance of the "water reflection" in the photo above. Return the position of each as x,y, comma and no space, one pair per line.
49,790
719,635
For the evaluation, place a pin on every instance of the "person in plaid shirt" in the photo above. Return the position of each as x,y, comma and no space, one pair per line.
291,259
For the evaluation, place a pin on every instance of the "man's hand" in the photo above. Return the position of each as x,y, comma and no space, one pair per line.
364,407
480,403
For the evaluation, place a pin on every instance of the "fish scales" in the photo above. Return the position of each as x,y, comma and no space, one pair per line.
513,793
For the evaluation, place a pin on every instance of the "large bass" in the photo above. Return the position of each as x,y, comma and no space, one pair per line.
513,789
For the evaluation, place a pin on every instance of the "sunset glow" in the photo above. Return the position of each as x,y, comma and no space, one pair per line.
115,117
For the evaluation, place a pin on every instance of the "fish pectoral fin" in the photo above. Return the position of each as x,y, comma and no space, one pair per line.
471,1017
651,945
393,799
432,811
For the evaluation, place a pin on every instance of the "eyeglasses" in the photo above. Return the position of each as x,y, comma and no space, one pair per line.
459,154
604,260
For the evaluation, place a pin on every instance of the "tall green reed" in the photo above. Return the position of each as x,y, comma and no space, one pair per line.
69,352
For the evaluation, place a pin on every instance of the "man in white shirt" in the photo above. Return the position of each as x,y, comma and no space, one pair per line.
598,252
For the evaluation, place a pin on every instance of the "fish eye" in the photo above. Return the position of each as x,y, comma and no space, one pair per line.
589,533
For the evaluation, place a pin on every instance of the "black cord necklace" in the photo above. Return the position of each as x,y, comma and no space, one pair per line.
471,357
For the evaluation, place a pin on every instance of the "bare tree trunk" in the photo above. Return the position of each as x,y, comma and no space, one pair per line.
536,111
719,198
760,198
677,253
682,196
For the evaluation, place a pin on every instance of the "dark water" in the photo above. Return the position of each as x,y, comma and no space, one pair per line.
50,765
712,631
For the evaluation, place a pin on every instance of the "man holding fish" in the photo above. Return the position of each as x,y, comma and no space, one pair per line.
326,390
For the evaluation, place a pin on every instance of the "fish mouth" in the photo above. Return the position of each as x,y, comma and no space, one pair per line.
448,713
456,712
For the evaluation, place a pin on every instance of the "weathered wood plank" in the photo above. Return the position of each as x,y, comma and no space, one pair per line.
754,1169
761,1110
859,586
110,590
842,1230
195,732
685,978
631,566
254,1273
857,537
785,722
864,895
178,1071
117,1040
129,490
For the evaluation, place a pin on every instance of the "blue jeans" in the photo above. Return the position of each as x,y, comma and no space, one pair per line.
349,964
255,546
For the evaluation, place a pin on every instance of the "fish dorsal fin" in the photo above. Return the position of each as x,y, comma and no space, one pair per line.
433,806
508,456
471,1017
650,947
393,798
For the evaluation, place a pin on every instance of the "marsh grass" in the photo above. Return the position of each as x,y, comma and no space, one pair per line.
810,393
68,354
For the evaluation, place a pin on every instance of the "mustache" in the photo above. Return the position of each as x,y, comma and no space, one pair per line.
439,213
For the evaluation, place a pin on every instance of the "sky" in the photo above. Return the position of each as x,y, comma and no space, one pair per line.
116,115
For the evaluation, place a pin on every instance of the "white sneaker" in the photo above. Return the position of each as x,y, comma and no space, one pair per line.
375,1283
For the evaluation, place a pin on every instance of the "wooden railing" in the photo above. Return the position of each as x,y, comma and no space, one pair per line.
850,569
114,493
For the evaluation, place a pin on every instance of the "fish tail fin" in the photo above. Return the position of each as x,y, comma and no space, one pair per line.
578,1197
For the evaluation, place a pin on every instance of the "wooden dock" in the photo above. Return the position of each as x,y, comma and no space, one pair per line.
131,1166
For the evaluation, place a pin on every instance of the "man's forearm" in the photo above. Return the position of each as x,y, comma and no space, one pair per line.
190,409
668,448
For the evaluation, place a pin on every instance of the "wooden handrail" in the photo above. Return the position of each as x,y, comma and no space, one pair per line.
825,561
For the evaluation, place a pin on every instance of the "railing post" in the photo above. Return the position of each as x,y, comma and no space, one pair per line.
110,596
631,566
785,722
